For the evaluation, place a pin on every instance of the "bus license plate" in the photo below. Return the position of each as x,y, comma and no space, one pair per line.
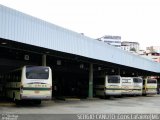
36,92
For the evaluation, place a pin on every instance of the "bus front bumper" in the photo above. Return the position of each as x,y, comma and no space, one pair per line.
151,92
36,97
111,93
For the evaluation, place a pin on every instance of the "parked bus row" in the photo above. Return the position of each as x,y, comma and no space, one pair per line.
34,83
115,85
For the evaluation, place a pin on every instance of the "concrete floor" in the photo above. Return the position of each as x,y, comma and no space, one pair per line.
139,104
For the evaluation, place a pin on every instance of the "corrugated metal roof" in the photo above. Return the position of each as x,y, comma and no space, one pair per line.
23,28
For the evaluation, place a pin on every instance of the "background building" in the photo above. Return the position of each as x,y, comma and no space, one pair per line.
111,40
154,56
141,52
152,53
151,49
130,46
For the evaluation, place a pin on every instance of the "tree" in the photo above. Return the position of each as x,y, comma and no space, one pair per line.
133,49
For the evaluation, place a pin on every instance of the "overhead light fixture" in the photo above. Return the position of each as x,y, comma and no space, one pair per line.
81,66
99,68
112,70
26,57
47,52
59,62
3,43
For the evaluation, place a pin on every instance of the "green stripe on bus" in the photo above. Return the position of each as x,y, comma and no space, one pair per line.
113,89
131,89
30,88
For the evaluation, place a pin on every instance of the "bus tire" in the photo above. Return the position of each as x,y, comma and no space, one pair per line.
38,102
17,102
14,98
107,97
144,94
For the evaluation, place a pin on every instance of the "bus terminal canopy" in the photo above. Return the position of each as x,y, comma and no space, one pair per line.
22,28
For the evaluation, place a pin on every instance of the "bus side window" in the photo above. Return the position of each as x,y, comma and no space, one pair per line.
135,80
19,75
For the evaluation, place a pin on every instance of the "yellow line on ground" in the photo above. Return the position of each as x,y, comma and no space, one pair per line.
7,104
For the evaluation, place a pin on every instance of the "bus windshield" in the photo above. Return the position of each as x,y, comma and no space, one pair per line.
151,81
37,72
113,79
137,80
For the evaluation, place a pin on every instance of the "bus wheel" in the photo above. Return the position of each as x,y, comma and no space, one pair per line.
38,102
14,98
17,102
107,97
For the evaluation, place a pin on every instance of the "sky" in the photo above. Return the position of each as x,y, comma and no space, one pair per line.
133,20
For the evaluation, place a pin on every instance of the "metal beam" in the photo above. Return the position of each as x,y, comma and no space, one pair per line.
90,91
44,58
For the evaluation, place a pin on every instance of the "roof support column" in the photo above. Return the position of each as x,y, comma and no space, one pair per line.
44,58
119,71
90,91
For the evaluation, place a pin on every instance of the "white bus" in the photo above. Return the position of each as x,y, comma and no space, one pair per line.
127,86
137,85
29,83
149,86
109,85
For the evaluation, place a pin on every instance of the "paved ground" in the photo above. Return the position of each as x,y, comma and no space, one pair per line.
148,104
